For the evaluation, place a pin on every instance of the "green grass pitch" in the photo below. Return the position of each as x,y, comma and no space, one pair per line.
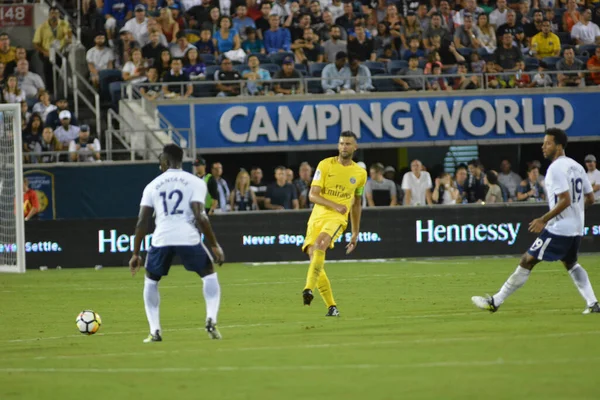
407,330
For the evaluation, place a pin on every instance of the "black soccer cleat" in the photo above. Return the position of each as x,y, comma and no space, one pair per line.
211,329
332,312
153,337
307,296
595,309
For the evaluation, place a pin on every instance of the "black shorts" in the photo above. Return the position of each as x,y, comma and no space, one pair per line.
194,258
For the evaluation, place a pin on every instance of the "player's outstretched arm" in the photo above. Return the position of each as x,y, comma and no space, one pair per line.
564,201
355,214
204,226
316,198
141,229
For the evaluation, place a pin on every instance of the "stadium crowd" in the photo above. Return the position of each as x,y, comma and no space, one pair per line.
472,183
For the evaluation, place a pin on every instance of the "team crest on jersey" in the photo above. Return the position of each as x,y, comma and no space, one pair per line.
353,180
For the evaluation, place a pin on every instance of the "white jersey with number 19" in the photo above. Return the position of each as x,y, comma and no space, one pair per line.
171,195
563,175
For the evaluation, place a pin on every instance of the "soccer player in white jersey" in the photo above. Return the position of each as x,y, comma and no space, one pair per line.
569,192
177,199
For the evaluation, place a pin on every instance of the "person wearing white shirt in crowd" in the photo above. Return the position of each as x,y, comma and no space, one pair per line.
66,132
83,148
99,58
417,185
188,4
593,175
179,49
30,82
471,8
138,25
222,187
44,106
585,31
509,179
498,16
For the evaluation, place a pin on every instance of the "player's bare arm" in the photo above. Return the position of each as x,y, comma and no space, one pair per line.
204,226
316,198
355,214
589,199
141,230
538,224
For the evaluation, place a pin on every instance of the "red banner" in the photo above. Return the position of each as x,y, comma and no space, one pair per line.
16,15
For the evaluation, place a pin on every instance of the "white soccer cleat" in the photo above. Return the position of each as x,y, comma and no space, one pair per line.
211,329
592,310
485,303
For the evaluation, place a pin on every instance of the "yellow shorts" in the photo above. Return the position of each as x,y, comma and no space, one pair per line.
330,226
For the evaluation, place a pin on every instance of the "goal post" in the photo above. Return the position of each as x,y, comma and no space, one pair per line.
12,220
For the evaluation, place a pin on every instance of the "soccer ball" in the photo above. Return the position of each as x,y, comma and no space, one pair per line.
88,322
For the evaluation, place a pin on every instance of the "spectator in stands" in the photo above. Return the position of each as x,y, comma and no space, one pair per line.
437,82
152,51
462,82
176,76
284,9
460,181
49,143
84,148
470,8
194,66
256,77
417,185
168,25
116,12
535,26
222,186
214,18
585,31
258,186
486,35
54,33
53,119
570,63
477,64
138,25
212,196
507,55
346,21
12,92
360,75
593,174
163,65
389,172
30,82
262,23
379,190
499,16
153,91
530,189
206,45
8,53
422,14
383,37
444,191
242,198
226,38
466,35
509,179
277,40
447,15
303,184
179,49
324,31
66,132
336,8
20,54
412,77
281,195
124,46
542,79
511,26
44,106
554,21
545,44
334,44
32,136
435,29
361,46
134,71
413,50
200,13
297,30
292,79
289,175
99,58
153,10
475,189
571,16
521,78
307,49
593,65
410,29
336,76
316,14
227,73
494,192
253,44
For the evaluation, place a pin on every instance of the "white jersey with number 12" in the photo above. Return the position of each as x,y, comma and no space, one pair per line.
171,195
563,175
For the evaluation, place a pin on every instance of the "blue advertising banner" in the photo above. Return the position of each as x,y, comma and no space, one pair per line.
269,123
43,183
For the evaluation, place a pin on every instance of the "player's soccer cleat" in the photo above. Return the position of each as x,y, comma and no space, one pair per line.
485,303
592,310
211,329
153,338
307,296
332,312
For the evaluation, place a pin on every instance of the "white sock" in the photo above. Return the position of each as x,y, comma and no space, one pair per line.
581,280
514,282
151,302
212,296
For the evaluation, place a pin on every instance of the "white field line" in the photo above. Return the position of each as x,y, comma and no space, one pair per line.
271,368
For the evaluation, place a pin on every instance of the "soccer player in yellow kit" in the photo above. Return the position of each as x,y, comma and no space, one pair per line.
336,191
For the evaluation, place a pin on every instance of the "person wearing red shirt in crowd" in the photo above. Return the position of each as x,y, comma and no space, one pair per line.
593,65
31,205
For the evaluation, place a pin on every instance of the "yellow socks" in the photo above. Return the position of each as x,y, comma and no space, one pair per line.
314,270
324,287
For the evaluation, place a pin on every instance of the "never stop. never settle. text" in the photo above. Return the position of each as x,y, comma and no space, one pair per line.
298,240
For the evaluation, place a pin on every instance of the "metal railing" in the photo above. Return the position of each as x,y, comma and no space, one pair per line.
63,157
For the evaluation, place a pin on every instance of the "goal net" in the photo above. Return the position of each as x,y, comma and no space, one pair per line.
12,227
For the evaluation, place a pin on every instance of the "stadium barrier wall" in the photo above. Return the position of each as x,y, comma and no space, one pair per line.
440,231
284,123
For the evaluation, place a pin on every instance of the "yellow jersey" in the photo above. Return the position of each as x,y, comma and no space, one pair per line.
340,184
545,46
